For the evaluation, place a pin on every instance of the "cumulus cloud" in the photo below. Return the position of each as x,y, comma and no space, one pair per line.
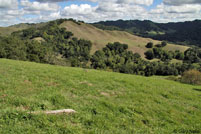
184,9
76,9
8,4
9,17
81,12
170,13
13,11
103,11
181,2
140,2
188,8
64,0
37,6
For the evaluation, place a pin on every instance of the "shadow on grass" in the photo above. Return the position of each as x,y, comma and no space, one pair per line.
196,89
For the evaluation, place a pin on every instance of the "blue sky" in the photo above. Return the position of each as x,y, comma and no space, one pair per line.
63,4
34,11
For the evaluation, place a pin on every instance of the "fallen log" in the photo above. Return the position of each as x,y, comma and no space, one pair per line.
63,111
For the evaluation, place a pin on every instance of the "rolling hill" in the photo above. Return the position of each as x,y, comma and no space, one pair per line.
100,38
104,102
6,31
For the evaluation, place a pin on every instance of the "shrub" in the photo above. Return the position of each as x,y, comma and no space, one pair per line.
149,45
163,43
191,77
149,54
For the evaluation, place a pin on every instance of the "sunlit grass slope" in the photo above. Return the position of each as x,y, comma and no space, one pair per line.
105,102
100,37
6,31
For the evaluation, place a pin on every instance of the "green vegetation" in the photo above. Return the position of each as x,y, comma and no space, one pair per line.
54,41
191,55
185,33
117,58
191,77
105,102
100,38
6,31
149,45
52,44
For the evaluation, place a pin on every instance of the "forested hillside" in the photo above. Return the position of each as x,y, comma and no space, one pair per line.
52,43
187,33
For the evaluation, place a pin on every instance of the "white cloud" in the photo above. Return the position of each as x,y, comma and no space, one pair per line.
44,10
64,0
167,13
181,2
9,4
184,9
78,10
104,11
82,12
37,6
188,8
140,2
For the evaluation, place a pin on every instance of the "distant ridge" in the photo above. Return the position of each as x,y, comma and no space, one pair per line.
186,33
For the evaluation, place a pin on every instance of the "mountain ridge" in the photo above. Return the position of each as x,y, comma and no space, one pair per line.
185,33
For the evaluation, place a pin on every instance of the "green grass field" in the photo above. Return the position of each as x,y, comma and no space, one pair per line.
105,102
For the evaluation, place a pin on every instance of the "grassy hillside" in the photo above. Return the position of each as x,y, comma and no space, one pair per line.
100,37
5,31
105,102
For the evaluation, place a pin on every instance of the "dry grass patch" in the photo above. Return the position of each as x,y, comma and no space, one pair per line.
100,38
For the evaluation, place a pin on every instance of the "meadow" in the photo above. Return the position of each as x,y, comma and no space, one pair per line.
105,102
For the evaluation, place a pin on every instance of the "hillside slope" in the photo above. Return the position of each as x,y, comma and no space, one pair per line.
100,37
6,31
105,102
187,33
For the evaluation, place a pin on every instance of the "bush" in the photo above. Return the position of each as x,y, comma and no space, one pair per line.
149,54
149,45
163,43
191,77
